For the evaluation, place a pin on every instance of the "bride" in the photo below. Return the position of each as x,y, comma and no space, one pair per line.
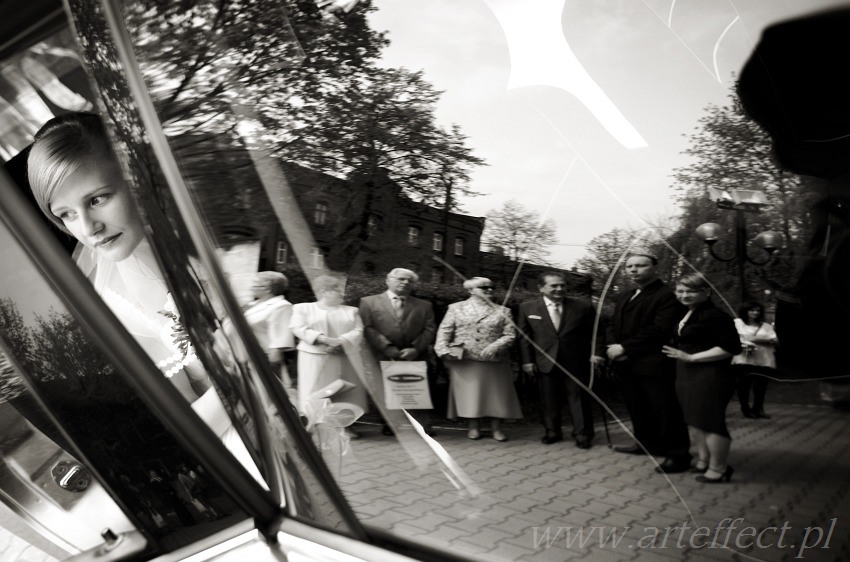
79,186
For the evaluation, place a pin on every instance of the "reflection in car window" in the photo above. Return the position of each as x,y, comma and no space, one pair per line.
586,111
107,439
199,291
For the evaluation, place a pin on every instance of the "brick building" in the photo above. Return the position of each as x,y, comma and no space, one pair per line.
345,225
372,228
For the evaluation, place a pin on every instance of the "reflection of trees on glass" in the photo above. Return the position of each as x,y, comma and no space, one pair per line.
520,233
17,338
732,151
316,88
63,356
729,151
101,413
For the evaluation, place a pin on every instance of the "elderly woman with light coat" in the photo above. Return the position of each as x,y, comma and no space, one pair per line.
474,341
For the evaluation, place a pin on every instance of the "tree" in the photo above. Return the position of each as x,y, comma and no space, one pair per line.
732,151
313,90
16,340
519,232
603,254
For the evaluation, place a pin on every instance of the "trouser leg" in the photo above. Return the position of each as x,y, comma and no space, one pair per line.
667,420
550,387
759,391
580,404
639,407
743,383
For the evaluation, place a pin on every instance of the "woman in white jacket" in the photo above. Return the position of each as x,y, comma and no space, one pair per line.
756,361
328,331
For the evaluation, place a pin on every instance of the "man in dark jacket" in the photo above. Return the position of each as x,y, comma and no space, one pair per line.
400,327
555,339
644,320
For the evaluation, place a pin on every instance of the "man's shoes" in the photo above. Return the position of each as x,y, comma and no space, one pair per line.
429,430
550,438
582,442
629,449
387,430
672,466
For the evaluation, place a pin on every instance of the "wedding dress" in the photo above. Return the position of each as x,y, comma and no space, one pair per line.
136,292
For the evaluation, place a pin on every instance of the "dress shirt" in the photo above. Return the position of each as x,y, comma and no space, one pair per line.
555,309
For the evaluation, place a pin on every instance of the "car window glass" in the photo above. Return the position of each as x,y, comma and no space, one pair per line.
77,439
197,287
307,143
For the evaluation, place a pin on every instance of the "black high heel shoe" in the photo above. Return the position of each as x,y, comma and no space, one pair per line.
727,476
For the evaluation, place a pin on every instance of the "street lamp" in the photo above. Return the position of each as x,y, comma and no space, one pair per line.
741,201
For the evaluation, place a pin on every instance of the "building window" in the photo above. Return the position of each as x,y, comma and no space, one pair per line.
438,242
320,214
437,274
413,233
317,258
282,253
459,246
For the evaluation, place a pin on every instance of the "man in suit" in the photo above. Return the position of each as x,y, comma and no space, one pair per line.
644,320
555,339
400,327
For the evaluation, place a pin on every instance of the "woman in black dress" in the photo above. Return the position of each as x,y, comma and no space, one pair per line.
704,345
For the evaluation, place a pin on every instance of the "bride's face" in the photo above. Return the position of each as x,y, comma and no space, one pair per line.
95,205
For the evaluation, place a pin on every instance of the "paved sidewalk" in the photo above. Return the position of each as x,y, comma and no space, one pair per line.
789,490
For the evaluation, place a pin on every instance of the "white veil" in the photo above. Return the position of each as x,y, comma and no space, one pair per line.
135,291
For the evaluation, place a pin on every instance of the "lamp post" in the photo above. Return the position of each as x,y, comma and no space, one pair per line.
741,201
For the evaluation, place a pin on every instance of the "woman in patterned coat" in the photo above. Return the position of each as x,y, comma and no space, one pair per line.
474,341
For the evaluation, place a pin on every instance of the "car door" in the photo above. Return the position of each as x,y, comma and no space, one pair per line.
103,456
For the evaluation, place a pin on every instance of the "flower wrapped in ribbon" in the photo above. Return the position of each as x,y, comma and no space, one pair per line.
327,420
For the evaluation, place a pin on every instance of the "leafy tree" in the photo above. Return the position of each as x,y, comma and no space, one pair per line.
731,151
603,253
311,86
16,339
519,232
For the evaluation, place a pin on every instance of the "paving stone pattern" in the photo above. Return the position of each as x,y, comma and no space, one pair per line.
792,473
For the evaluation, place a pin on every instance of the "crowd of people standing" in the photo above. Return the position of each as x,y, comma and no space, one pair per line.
670,351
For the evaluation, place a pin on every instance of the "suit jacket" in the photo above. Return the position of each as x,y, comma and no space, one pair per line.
643,325
475,327
569,343
385,332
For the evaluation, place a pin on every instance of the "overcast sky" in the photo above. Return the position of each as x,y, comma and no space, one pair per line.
582,110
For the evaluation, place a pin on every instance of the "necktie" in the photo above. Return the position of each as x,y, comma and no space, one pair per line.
556,314
398,304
